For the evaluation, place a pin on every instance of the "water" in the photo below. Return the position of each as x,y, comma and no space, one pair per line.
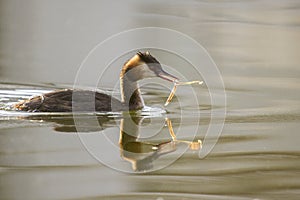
255,45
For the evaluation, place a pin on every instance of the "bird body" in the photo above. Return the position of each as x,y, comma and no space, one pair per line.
140,66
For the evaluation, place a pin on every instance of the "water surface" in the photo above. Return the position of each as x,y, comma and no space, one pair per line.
255,45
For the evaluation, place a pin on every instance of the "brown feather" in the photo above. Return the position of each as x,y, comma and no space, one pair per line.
62,101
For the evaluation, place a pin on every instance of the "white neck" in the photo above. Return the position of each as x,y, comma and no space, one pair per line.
130,94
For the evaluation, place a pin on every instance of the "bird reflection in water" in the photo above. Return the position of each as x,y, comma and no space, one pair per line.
139,152
142,154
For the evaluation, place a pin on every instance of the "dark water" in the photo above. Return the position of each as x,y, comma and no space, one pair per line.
255,45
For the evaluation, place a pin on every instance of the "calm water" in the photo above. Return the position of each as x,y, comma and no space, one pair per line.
256,47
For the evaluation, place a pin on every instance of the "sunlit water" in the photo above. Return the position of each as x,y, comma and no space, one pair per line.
254,44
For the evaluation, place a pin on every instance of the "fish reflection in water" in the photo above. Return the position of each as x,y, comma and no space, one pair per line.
140,154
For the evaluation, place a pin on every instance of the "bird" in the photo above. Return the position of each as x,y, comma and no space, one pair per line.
142,65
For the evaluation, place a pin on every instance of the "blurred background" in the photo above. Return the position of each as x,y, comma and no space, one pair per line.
256,46
46,41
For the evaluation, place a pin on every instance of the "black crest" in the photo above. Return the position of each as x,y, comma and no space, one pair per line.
147,57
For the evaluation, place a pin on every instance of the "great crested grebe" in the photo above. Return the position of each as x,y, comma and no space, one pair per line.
140,66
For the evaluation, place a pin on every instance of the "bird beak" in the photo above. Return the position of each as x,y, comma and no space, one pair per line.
166,76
